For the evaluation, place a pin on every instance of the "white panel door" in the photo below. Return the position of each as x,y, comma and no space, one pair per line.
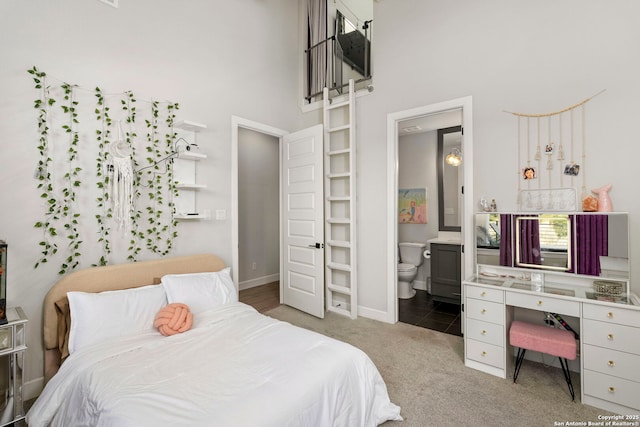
303,220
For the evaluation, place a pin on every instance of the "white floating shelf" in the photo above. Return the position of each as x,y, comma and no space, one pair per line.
186,216
190,186
189,126
191,155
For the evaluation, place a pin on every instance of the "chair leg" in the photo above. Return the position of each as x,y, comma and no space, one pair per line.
519,360
567,376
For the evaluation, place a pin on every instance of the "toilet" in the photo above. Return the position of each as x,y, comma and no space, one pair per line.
411,257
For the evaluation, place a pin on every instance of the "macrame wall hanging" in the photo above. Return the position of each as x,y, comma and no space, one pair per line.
121,181
551,158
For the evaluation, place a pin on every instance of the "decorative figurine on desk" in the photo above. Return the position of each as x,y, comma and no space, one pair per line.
589,204
484,204
604,201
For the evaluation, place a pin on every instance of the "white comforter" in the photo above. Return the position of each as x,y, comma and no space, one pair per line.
236,367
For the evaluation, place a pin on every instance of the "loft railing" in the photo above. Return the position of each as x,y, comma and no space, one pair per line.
334,61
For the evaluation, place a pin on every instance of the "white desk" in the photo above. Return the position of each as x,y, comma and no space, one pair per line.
609,335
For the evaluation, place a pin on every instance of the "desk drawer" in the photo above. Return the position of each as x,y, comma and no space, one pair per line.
611,362
611,314
485,310
485,353
490,333
611,335
613,389
476,292
543,303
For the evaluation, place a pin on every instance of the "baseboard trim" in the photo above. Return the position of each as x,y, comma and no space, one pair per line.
420,284
369,313
32,389
247,284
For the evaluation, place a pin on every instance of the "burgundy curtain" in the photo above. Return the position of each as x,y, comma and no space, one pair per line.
592,242
506,239
530,242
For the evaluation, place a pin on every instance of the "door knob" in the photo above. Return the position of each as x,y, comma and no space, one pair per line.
317,245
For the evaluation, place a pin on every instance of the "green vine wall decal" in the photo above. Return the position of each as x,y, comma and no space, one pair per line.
161,228
154,193
65,148
170,138
129,107
70,212
103,136
45,184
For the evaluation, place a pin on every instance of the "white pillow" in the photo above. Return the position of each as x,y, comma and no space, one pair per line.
96,317
200,291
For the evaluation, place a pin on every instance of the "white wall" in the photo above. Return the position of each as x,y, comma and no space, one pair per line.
214,58
258,208
417,169
520,56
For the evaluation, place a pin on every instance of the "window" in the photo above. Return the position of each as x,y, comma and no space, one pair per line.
554,232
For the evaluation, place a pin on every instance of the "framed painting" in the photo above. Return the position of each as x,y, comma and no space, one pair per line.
412,206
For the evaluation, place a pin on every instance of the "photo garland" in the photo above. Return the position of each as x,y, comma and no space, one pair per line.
545,140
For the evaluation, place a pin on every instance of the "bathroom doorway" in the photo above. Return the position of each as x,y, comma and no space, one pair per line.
418,129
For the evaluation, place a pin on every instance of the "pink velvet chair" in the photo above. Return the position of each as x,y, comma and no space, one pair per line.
556,342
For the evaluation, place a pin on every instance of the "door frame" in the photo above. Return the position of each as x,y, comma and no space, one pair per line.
468,255
236,124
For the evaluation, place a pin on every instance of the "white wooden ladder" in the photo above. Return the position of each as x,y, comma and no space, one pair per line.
340,203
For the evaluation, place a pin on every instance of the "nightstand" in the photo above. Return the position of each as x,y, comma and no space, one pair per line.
13,343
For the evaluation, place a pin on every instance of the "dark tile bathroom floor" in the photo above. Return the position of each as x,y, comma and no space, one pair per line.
422,311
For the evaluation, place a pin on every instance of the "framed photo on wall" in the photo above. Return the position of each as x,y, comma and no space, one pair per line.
412,206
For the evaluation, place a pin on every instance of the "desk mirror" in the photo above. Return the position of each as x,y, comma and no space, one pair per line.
586,244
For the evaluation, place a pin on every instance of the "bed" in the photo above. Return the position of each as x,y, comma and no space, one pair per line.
106,364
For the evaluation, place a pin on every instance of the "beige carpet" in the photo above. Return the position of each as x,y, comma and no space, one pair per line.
425,375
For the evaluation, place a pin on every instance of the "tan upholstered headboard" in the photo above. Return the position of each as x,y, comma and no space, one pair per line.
113,277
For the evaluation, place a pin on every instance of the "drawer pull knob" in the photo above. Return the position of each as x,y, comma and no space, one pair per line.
484,353
483,311
611,363
610,315
483,294
612,389
610,337
539,302
484,332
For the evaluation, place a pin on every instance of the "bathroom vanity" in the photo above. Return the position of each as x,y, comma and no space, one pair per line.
590,291
446,278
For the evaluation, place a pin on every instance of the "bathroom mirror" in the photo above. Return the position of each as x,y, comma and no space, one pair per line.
449,179
580,243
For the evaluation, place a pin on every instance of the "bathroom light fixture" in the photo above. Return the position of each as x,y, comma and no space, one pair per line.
454,158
